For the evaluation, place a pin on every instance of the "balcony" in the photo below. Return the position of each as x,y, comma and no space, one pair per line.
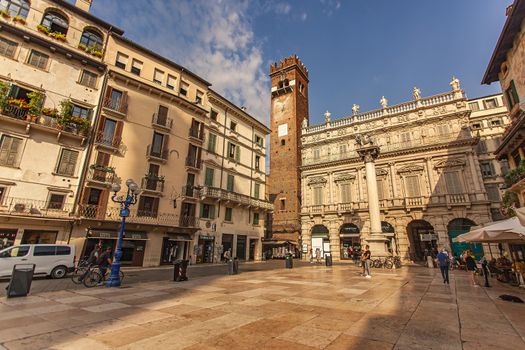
240,199
109,141
95,212
117,106
194,163
28,207
188,221
196,134
70,125
162,122
189,191
101,174
157,155
153,184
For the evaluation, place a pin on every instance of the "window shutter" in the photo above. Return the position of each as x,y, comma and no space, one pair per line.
212,212
211,142
237,153
102,204
102,122
202,210
155,207
515,96
256,191
229,184
208,181
380,189
453,183
67,163
117,138
345,193
109,90
412,186
165,144
9,150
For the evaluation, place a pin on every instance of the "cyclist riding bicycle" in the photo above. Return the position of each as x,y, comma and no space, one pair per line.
104,261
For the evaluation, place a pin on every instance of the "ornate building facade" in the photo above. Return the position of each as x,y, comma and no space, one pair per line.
430,185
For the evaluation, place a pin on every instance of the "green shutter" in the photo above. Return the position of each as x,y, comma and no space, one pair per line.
212,142
237,153
208,181
256,191
202,210
212,212
229,185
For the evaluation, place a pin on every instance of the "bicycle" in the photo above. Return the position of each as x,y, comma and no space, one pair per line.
392,261
376,263
94,277
80,270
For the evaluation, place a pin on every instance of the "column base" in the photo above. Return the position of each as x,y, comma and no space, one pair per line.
378,248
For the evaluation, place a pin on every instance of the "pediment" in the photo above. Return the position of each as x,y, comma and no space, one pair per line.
411,168
344,177
450,163
317,180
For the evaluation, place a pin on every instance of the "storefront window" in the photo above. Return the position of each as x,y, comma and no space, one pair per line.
39,237
241,247
7,238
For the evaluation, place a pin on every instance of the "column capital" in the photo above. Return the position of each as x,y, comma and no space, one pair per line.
368,154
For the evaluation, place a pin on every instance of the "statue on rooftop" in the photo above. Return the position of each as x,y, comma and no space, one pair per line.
327,116
416,92
384,102
355,109
455,84
305,123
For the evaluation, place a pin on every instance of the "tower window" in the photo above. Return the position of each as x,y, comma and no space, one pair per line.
283,142
283,204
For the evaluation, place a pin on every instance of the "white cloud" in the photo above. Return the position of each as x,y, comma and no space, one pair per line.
214,39
304,16
283,8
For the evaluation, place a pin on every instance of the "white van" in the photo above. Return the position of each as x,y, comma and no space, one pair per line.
52,260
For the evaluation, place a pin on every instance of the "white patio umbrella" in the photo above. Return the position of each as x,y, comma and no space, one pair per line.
520,213
505,230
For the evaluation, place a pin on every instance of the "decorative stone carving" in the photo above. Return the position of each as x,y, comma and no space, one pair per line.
411,168
363,140
381,172
368,154
455,84
449,163
317,180
305,123
344,177
355,109
327,116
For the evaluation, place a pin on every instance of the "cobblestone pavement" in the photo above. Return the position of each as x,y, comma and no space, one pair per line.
311,307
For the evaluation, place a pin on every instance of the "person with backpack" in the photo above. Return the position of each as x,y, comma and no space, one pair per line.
365,259
444,264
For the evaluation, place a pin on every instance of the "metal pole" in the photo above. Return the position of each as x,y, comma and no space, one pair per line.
114,278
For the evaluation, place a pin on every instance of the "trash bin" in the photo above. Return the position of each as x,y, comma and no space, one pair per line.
233,266
328,260
289,261
21,279
179,270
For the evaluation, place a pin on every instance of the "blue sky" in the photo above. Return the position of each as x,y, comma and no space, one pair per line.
355,50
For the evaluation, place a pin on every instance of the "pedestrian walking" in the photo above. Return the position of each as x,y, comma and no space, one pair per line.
471,267
227,254
444,264
318,255
365,260
311,256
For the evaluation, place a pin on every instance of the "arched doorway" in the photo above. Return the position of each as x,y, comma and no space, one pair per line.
388,231
422,238
320,240
349,236
457,227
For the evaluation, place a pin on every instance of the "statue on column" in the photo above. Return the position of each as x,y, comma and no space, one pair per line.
384,102
363,140
455,84
416,92
355,109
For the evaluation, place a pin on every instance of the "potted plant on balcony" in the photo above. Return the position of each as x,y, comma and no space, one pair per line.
59,36
509,203
64,118
42,29
19,19
35,105
81,123
50,112
5,14
4,92
154,177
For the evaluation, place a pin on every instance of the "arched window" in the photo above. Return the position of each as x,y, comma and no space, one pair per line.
91,38
15,8
55,22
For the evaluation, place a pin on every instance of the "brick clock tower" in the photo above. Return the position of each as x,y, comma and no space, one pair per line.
289,107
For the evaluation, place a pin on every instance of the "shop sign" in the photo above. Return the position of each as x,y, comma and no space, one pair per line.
305,248
427,237
207,238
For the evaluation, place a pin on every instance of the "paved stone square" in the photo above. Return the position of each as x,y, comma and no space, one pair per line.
311,307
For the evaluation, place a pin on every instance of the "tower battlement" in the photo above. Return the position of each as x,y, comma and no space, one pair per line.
288,62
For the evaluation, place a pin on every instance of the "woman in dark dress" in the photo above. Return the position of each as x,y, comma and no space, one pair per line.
471,267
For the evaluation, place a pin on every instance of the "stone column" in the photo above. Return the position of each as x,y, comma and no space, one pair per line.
393,179
377,239
359,185
474,172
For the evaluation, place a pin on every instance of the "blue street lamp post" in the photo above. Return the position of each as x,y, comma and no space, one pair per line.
125,202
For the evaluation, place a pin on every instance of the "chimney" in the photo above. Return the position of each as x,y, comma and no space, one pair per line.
83,4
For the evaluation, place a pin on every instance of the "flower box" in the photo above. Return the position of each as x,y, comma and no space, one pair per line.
42,29
19,19
5,14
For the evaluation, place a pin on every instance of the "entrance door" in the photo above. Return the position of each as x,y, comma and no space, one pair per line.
253,243
457,227
241,247
138,254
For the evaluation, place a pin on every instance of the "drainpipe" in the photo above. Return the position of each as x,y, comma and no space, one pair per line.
89,148
222,161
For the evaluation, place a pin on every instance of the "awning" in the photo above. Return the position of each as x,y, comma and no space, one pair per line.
500,231
278,242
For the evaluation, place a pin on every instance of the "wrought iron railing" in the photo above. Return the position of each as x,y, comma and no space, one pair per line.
218,193
101,174
116,104
135,216
25,206
152,183
162,120
161,154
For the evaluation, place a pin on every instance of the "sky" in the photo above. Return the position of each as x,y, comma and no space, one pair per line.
355,50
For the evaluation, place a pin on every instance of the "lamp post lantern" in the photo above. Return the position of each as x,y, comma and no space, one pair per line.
125,202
